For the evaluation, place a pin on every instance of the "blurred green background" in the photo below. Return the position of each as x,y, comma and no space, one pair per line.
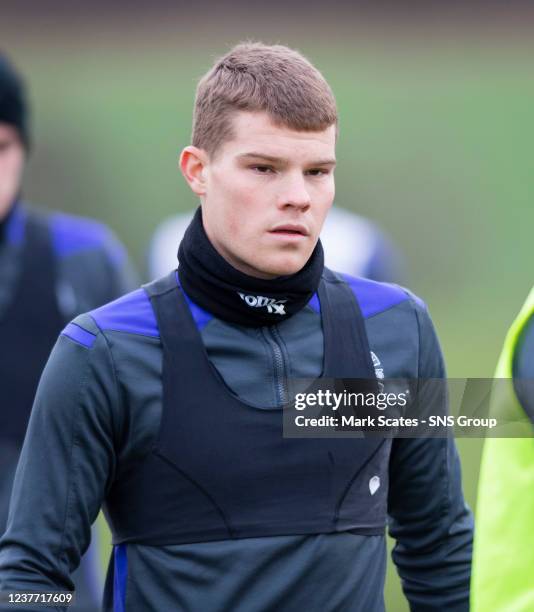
436,141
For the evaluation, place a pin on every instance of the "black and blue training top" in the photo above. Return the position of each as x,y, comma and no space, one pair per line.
98,414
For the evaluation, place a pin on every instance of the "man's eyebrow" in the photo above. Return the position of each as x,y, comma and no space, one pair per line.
279,160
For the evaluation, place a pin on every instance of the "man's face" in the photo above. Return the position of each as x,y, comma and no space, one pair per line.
11,166
267,193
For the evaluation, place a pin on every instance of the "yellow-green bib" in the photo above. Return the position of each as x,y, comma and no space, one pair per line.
503,558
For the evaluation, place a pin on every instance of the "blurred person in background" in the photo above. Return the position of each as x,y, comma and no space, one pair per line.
503,558
352,244
174,396
52,267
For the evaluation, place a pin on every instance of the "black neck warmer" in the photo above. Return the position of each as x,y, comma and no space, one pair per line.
212,283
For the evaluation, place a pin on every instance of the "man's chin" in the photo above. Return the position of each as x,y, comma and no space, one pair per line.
283,268
271,265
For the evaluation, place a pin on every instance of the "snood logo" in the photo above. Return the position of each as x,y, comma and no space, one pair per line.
259,301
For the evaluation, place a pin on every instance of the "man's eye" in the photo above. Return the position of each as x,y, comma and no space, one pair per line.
317,172
263,169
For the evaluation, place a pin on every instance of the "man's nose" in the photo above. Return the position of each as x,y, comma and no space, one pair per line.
295,193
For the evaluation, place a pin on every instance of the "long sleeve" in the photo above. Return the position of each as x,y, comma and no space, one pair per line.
66,464
429,519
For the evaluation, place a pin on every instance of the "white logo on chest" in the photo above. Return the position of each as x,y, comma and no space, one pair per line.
260,301
374,484
379,371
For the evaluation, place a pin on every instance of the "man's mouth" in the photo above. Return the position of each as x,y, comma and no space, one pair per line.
290,229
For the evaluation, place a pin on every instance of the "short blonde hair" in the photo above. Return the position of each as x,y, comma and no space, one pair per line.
258,77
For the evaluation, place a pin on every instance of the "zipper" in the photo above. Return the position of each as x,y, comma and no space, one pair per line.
272,337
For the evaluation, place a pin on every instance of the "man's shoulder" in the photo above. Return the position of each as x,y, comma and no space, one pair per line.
130,314
72,234
376,297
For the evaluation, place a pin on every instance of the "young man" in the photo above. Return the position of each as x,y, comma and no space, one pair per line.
165,406
52,267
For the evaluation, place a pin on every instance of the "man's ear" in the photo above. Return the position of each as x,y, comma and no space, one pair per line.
193,162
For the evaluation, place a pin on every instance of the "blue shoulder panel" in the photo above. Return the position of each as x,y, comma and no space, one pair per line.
200,316
314,303
374,297
71,234
131,313
79,335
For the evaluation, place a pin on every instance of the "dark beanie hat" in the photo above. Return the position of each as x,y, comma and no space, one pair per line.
13,103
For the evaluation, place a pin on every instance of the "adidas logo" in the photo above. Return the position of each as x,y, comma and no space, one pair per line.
260,301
